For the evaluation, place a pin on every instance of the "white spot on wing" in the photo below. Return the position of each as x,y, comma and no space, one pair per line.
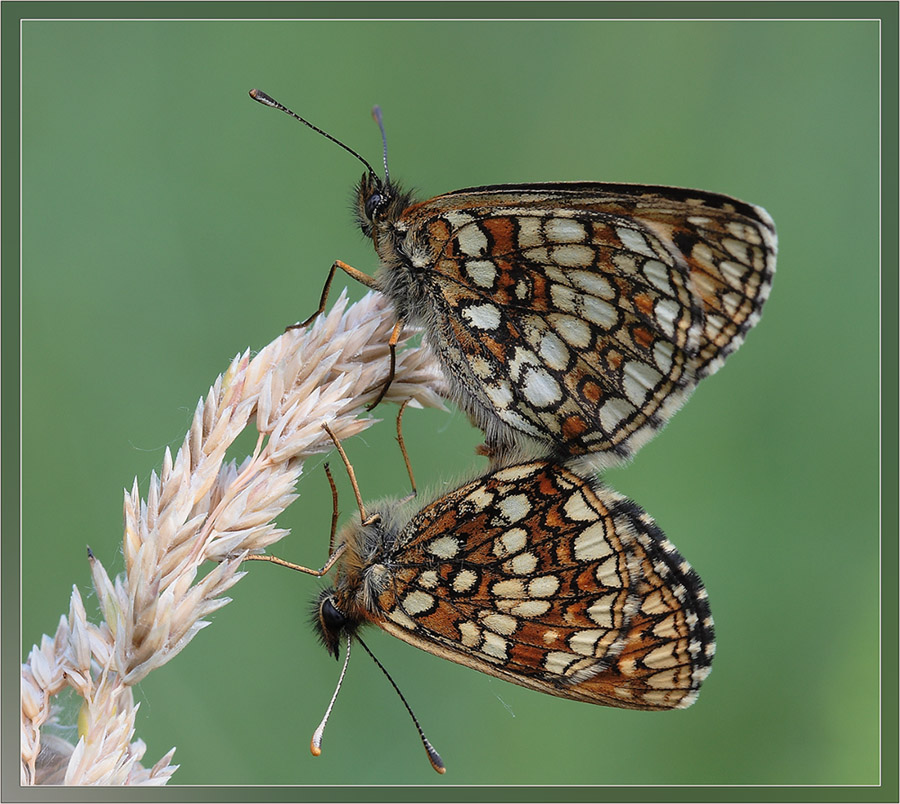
577,508
417,601
513,507
540,389
531,608
553,351
564,230
634,241
572,255
591,543
482,272
482,316
522,564
494,645
443,547
500,623
472,241
464,580
545,586
510,542
613,413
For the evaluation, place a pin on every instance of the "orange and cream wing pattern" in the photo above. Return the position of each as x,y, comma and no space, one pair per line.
585,314
539,577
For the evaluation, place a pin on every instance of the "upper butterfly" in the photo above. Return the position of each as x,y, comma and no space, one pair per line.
578,315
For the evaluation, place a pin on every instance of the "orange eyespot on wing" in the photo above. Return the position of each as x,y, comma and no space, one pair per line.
536,576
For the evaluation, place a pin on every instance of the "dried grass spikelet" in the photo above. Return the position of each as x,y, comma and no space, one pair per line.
201,508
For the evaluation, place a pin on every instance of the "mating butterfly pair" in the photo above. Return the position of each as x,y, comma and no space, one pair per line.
573,319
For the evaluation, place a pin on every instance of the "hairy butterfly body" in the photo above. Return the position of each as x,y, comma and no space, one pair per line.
575,316
534,575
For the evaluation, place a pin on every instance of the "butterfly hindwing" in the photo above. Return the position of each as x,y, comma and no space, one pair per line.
535,575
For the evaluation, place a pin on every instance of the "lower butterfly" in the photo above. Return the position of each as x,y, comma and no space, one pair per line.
578,316
535,575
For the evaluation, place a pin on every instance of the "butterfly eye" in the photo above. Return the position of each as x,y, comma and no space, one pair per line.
332,619
373,202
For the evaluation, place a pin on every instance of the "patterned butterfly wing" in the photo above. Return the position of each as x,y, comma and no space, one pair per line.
584,314
538,577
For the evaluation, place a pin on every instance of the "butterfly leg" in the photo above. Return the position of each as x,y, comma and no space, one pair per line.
409,471
332,556
392,345
358,275
290,565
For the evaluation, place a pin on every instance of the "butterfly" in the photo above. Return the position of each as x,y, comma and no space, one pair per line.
535,575
575,317
532,573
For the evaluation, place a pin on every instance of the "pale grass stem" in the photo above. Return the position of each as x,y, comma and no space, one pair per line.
200,509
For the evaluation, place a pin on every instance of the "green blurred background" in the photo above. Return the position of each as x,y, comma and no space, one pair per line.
170,222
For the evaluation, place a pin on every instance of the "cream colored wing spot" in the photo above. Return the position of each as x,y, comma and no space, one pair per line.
417,602
514,507
501,394
521,564
482,316
573,331
512,541
510,589
599,312
482,272
530,608
479,499
545,586
593,283
457,219
639,381
608,574
592,543
514,474
529,233
603,611
572,255
666,311
554,352
495,646
463,581
501,624
564,230
634,241
663,352
402,619
577,509
470,634
428,579
557,662
614,412
658,276
472,240
540,389
443,547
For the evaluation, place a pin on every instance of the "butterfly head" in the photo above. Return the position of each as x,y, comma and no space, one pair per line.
379,205
329,622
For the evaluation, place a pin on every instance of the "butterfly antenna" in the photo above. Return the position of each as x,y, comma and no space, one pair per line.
268,100
315,745
376,113
433,756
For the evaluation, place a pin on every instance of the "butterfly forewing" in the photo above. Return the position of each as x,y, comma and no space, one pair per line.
582,314
539,577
